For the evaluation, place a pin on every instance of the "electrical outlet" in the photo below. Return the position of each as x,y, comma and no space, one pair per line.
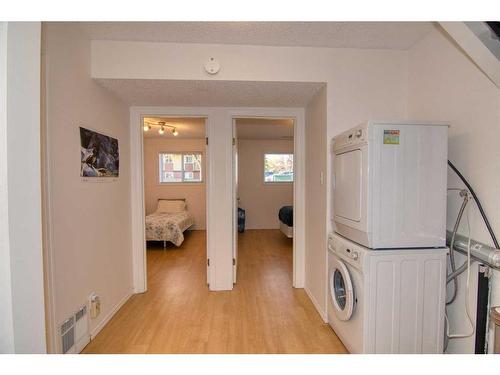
95,305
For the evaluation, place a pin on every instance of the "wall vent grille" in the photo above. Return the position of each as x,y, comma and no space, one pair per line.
67,325
74,332
81,313
68,334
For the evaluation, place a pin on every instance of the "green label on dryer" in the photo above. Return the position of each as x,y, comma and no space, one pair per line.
391,137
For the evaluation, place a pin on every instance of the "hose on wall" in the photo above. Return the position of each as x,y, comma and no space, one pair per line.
454,272
476,199
466,266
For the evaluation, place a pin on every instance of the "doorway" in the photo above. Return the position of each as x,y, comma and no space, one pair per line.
174,157
218,183
295,119
263,151
169,189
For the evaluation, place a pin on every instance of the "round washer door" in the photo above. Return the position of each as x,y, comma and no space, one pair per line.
341,289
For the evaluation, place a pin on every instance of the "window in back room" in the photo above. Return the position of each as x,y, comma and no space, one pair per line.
177,167
278,168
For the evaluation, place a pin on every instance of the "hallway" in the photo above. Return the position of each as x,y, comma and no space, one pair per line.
262,314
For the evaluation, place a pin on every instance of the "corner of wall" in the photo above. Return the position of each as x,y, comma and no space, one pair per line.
316,200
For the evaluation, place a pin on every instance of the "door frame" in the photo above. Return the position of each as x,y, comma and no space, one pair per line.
235,176
139,263
216,273
299,150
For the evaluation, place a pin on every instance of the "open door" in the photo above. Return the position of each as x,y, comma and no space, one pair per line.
235,201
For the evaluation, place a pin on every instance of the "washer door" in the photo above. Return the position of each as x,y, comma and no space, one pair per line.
341,290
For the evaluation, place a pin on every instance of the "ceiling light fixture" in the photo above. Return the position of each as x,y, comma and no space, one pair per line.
162,124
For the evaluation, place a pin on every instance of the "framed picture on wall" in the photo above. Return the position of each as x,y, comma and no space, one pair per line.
100,156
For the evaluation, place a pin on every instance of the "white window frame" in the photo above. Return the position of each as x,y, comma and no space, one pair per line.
264,168
182,153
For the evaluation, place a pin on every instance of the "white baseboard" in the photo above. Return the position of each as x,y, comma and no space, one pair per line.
320,311
108,317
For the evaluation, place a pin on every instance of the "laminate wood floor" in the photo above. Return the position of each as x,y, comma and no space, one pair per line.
178,314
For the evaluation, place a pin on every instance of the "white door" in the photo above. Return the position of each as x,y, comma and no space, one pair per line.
235,201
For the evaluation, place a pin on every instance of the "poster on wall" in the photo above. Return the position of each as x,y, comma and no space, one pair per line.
100,156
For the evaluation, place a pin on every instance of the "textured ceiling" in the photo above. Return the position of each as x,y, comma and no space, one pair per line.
261,128
384,35
139,92
187,127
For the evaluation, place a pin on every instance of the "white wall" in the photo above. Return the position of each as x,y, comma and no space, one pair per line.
361,85
89,223
316,210
194,193
6,322
22,321
445,85
261,201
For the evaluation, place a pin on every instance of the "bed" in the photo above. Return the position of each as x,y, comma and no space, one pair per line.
169,222
285,215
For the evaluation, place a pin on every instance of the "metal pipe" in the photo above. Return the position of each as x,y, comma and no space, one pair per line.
479,251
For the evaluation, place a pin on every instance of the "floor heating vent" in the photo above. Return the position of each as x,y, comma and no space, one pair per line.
75,332
68,335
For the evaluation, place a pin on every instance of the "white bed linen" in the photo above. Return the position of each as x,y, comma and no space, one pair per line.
168,226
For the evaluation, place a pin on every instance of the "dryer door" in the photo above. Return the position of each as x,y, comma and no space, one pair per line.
348,188
341,289
350,193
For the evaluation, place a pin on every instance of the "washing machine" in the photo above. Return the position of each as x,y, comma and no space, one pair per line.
388,301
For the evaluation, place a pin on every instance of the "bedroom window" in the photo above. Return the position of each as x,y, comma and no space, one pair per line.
278,168
175,167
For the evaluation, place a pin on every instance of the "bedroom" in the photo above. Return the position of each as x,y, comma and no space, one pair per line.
174,192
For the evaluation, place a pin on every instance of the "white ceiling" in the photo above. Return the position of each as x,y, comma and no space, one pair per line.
140,92
261,128
187,127
384,35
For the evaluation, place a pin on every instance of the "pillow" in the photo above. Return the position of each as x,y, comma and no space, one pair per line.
170,206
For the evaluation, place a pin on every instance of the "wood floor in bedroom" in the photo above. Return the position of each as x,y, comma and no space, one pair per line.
178,314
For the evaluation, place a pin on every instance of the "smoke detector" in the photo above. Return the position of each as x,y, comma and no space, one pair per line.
212,66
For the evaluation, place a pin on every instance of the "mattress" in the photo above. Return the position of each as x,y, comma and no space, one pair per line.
286,215
168,226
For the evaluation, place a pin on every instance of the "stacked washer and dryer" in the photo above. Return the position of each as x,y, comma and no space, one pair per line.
387,259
